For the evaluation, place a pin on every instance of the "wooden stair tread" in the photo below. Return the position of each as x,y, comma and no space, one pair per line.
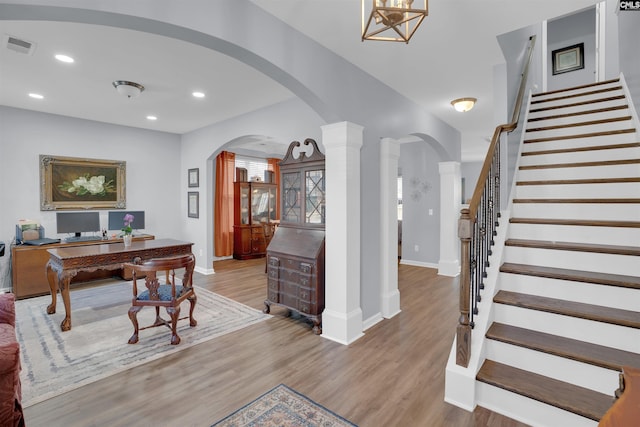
576,222
593,354
578,104
576,95
572,275
570,308
584,86
582,164
615,201
583,149
580,135
578,113
578,400
581,181
578,247
577,124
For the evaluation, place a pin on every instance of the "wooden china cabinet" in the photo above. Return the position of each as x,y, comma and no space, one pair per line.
254,212
295,256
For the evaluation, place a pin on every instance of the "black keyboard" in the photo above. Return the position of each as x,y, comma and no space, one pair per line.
82,239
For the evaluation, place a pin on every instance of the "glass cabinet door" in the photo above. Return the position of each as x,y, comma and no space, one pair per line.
244,204
291,207
314,196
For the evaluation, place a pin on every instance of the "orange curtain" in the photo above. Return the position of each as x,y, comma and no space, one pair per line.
274,166
223,222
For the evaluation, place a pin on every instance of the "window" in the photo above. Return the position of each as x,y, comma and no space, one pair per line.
399,198
253,165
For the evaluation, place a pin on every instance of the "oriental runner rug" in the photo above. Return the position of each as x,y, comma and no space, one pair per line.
283,407
54,362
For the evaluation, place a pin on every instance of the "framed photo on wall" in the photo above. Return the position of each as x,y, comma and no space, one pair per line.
194,177
567,59
193,204
78,183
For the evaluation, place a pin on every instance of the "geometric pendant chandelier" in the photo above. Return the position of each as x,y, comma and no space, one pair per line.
392,20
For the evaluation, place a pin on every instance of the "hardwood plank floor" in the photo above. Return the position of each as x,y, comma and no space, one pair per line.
392,376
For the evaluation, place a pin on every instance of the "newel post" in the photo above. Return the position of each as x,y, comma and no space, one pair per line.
463,331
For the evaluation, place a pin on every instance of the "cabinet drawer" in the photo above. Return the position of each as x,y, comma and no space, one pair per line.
306,294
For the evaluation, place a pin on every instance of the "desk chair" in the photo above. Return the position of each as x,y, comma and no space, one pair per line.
167,295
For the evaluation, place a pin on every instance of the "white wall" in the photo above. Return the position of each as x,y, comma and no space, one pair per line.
153,169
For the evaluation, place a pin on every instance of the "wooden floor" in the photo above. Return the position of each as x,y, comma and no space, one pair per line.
392,376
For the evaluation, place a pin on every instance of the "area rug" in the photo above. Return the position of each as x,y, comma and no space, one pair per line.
283,407
54,362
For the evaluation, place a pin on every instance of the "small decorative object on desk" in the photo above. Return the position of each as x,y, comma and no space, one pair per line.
127,230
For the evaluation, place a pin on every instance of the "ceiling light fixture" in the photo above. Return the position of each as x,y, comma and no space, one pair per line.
64,58
128,89
463,104
36,96
152,118
198,94
392,20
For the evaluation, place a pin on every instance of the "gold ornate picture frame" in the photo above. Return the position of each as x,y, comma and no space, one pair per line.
78,183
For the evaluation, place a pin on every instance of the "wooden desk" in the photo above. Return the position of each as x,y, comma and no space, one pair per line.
65,263
29,278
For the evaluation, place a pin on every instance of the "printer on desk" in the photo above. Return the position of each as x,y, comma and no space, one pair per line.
30,233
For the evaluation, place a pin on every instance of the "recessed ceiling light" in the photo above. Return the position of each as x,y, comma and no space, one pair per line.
152,118
36,96
64,58
198,94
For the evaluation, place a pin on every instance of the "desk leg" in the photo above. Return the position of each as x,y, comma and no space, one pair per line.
64,291
52,278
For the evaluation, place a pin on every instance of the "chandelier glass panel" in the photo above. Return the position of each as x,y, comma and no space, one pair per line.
392,20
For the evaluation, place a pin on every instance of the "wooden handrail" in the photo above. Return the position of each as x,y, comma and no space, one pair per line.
476,237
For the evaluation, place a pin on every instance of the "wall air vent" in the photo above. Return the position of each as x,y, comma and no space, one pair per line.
18,45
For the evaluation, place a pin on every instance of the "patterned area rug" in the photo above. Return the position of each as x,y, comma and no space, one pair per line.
283,407
54,362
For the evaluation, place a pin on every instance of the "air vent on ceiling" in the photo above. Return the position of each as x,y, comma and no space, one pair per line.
18,45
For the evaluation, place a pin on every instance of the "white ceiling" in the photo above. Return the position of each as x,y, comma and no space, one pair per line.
451,55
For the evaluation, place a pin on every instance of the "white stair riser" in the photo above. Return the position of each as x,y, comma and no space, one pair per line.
614,85
553,101
573,233
579,191
593,211
573,260
583,172
581,374
571,143
558,121
580,157
587,293
609,335
572,110
579,130
528,411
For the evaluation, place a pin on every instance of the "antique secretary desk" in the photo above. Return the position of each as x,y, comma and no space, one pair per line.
295,255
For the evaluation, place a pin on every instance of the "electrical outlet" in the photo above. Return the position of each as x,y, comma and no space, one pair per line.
430,211
201,253
416,248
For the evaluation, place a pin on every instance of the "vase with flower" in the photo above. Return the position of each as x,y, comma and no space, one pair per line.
127,230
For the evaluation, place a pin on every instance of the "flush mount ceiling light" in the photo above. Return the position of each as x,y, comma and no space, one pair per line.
392,20
128,89
463,104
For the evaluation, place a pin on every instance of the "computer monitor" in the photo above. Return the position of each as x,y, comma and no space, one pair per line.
116,220
77,222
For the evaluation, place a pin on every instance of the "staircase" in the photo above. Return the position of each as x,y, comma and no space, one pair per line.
566,316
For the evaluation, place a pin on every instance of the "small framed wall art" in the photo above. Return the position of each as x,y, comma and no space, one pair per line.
193,204
194,177
568,58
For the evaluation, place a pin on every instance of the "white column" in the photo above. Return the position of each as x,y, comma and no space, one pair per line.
450,203
342,316
389,294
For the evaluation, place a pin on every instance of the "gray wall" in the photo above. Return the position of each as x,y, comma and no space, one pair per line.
569,31
629,38
420,195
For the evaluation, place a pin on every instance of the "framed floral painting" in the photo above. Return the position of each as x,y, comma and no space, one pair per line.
77,183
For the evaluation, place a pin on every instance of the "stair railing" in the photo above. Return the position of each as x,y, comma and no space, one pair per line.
477,226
